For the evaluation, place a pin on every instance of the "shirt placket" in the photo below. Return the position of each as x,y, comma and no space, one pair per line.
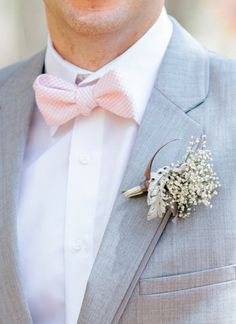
82,194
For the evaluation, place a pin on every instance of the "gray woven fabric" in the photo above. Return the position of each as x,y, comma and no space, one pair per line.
189,276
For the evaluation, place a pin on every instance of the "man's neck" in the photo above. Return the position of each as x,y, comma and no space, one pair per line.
91,52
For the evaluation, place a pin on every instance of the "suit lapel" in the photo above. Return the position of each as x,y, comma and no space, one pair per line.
16,102
181,86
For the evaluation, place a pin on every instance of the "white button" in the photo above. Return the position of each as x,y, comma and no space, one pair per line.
84,159
76,245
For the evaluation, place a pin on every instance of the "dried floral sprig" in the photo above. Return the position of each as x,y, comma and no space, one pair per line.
182,185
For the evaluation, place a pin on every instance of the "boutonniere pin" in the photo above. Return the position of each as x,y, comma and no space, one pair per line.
182,185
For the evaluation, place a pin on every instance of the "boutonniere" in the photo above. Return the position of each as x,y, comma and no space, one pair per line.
181,186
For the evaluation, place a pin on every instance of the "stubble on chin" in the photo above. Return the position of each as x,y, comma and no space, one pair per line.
97,22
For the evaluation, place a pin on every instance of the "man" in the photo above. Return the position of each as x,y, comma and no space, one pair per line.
122,79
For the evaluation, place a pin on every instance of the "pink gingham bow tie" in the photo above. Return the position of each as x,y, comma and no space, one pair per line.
60,101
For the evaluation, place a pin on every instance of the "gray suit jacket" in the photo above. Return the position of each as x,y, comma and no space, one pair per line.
187,274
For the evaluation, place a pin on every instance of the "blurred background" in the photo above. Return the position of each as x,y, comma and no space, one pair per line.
23,26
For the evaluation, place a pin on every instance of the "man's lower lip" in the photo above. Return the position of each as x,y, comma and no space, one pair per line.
96,7
95,10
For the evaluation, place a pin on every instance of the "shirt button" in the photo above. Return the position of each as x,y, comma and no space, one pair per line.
84,159
77,246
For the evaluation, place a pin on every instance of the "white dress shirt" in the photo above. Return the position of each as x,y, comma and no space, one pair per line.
71,176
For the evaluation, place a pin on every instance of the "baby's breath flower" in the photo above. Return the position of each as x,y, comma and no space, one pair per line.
185,184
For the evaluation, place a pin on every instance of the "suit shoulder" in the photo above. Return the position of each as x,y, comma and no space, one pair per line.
222,68
8,71
222,79
222,85
21,66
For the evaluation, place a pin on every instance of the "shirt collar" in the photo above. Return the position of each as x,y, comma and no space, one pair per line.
138,66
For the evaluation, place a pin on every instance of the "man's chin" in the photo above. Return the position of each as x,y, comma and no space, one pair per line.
97,19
